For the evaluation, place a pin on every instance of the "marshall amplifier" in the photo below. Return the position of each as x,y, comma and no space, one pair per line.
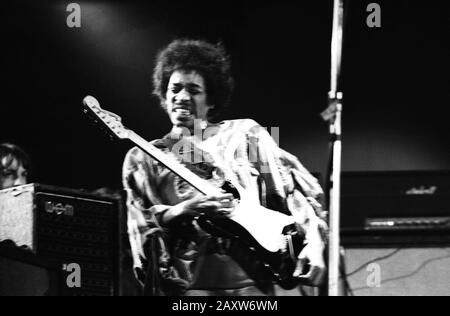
73,229
396,203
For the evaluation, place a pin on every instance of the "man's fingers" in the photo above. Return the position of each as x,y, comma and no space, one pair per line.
313,277
226,196
301,263
220,205
226,210
216,208
211,205
226,204
220,202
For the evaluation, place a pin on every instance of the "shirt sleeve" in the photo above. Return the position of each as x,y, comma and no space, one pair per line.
288,185
144,207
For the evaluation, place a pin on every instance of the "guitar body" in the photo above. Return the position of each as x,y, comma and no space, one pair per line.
271,240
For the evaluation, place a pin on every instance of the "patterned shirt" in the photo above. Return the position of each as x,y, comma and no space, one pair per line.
237,148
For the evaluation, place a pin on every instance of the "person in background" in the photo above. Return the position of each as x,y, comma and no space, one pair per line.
14,170
14,166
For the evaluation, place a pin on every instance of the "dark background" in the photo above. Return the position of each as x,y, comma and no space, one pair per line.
395,79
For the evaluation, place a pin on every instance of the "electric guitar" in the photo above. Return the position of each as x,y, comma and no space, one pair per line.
272,238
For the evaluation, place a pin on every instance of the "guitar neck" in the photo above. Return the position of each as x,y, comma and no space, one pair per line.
173,165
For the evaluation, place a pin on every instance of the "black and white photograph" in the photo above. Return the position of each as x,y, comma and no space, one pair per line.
255,150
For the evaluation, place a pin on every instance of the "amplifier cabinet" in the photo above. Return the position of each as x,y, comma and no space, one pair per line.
395,200
71,228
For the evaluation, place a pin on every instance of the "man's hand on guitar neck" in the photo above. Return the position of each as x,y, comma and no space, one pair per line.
222,205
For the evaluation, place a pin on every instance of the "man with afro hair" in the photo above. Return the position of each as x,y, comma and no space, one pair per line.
172,254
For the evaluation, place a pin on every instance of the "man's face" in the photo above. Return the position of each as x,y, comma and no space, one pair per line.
186,98
13,174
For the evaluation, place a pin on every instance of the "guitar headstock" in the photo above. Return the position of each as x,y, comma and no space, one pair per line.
110,122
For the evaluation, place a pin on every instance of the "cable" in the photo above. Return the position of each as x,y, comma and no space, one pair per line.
423,265
347,288
372,261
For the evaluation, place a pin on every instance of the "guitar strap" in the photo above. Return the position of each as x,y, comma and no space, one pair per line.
161,276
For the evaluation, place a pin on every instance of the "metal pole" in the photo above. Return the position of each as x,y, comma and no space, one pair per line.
334,211
333,115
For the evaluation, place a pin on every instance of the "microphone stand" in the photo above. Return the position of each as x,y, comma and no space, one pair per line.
333,115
